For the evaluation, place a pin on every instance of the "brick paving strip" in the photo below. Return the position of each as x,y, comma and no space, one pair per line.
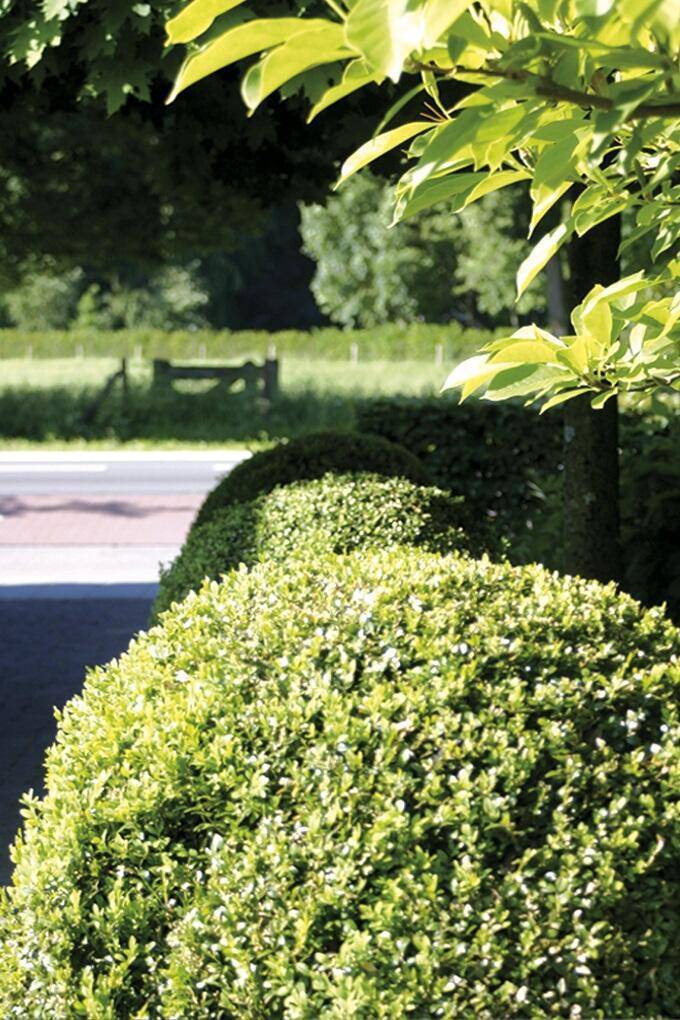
97,519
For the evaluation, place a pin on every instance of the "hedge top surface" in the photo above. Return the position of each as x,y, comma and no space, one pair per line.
374,786
336,514
311,457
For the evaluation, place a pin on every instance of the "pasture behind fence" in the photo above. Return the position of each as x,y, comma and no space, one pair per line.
417,341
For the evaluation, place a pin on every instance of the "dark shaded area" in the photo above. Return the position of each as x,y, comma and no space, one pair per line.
47,643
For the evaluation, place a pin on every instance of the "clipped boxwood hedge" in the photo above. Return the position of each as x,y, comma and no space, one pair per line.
380,785
492,452
336,513
311,456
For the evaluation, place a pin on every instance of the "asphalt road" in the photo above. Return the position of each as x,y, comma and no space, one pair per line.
127,472
81,538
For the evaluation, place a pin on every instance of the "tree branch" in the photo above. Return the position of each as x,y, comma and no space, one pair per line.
551,90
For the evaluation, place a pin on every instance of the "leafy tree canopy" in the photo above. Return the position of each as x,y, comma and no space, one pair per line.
80,188
434,267
578,99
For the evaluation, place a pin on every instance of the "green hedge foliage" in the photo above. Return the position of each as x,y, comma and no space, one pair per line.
416,340
374,786
490,452
336,513
507,462
308,457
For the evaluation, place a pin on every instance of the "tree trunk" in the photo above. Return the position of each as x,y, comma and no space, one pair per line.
591,454
591,490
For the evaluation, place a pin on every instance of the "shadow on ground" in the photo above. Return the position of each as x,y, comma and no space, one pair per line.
50,635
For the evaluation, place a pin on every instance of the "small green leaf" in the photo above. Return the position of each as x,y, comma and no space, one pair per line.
494,182
237,43
196,18
322,45
601,399
561,398
356,75
473,373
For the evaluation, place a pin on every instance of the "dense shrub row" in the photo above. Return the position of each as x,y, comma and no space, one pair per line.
380,785
337,513
491,452
507,461
392,342
311,456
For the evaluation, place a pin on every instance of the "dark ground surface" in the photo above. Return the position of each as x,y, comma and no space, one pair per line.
45,646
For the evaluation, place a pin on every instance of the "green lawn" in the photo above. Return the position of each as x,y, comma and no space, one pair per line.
297,374
42,403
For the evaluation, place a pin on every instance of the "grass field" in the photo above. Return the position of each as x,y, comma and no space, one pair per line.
44,402
296,374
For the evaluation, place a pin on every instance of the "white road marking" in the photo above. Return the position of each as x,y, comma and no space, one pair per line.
114,456
15,469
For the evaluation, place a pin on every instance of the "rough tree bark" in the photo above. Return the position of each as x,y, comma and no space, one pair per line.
591,455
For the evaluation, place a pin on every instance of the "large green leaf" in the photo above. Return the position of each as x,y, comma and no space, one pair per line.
453,189
600,208
523,380
304,51
526,351
494,182
472,373
237,43
540,255
378,146
194,19
384,32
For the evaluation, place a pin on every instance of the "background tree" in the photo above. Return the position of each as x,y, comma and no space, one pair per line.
432,268
123,196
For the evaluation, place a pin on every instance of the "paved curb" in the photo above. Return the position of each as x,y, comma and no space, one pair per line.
22,565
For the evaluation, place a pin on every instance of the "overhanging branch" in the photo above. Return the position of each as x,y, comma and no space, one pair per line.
549,89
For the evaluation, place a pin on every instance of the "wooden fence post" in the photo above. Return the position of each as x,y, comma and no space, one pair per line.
161,372
124,380
271,378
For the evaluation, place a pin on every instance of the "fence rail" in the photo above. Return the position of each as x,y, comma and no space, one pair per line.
262,378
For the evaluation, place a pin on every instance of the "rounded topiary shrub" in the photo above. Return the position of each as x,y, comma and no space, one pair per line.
381,785
336,513
308,457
